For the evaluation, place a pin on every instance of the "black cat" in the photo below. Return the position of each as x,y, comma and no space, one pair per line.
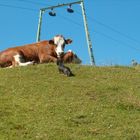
63,69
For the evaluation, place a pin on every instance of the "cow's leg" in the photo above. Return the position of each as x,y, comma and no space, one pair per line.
9,66
19,61
47,59
52,59
26,63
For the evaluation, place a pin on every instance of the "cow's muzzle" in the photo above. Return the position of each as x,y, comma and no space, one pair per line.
60,54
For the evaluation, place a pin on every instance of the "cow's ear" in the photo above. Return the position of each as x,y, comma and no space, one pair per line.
51,42
68,41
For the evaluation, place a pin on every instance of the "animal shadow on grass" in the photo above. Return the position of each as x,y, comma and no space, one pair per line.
63,69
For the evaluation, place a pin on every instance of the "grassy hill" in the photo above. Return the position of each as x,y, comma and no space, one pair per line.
101,103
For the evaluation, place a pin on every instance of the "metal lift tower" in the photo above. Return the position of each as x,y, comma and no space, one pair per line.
81,2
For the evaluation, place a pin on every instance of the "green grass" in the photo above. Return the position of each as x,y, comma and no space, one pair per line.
99,103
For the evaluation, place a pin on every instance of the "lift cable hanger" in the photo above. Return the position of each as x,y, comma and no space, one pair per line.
70,10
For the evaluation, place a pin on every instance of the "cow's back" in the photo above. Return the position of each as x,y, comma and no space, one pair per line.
32,52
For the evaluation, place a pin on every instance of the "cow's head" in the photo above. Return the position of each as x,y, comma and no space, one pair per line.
60,43
76,59
70,55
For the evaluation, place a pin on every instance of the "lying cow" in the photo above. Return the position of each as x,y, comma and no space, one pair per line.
71,57
40,52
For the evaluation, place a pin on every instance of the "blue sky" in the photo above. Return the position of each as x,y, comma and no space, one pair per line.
113,26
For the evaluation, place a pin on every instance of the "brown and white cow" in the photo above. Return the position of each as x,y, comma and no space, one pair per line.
40,52
71,57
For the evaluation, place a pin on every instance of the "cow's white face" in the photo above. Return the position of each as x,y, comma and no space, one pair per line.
60,42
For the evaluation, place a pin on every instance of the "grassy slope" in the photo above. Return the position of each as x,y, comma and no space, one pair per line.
38,103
